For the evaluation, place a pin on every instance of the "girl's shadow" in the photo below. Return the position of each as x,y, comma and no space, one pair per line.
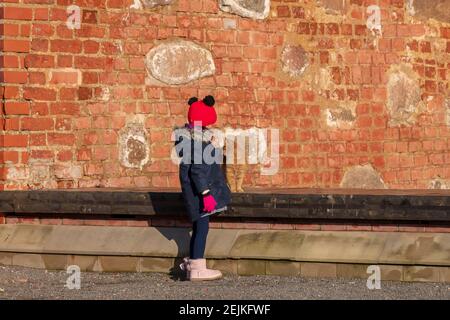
169,205
181,236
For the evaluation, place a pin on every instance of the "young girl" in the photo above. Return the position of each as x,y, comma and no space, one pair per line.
203,184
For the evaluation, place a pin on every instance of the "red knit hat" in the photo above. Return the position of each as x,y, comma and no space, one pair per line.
202,112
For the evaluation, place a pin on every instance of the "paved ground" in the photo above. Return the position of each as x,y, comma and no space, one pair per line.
27,283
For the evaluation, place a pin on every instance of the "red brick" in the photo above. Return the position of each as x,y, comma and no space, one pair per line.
37,93
357,227
38,139
385,228
15,45
64,139
41,154
64,77
407,228
25,30
12,124
95,222
309,226
9,157
14,13
282,226
12,220
65,61
437,229
36,124
3,173
215,225
283,11
41,14
116,223
231,225
333,227
65,108
138,223
44,30
72,46
10,29
29,220
73,221
51,221
17,107
36,78
90,62
11,92
10,140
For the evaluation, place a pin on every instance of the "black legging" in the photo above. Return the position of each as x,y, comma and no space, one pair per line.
197,245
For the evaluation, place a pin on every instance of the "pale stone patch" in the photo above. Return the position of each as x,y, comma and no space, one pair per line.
341,117
229,23
134,150
137,4
179,61
73,77
429,9
439,184
334,6
17,173
118,45
373,23
41,175
106,94
68,172
362,177
404,96
294,60
321,80
256,9
149,4
156,3
447,110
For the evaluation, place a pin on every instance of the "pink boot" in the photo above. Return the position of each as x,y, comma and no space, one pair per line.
197,271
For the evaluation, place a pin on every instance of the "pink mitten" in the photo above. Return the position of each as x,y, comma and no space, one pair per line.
209,203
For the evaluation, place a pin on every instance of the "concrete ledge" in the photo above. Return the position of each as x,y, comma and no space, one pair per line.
385,248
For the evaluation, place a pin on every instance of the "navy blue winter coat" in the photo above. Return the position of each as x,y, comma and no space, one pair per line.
198,174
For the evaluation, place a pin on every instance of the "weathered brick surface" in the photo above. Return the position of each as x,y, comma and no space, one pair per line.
322,270
365,98
425,274
247,267
283,268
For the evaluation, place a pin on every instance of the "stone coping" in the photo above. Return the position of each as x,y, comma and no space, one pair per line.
329,204
389,248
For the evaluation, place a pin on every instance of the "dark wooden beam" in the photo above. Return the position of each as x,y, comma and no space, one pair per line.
336,204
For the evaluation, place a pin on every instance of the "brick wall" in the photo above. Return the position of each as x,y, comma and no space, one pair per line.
355,106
